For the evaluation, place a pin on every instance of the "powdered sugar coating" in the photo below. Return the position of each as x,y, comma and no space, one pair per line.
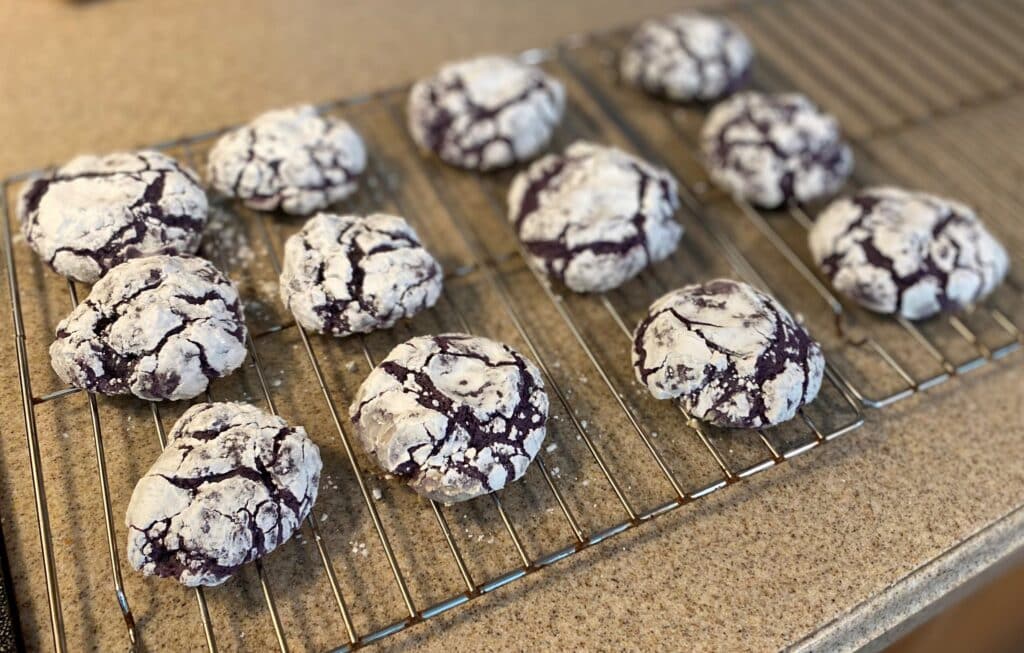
771,149
455,416
731,355
346,274
485,113
233,484
686,57
98,211
159,327
905,252
292,159
594,216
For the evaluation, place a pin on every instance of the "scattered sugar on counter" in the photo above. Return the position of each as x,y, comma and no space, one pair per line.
359,547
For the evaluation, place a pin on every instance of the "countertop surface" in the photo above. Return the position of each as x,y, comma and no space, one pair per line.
833,550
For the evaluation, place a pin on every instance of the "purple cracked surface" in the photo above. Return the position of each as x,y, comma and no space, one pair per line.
687,57
454,416
96,212
233,484
485,113
909,253
731,355
292,159
159,327
354,274
772,149
595,216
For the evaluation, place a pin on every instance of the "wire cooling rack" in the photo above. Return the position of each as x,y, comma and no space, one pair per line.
606,469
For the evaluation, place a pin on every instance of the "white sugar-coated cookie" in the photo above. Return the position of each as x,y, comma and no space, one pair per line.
233,484
907,253
455,416
96,212
594,216
687,57
771,149
160,327
731,355
294,160
346,274
485,113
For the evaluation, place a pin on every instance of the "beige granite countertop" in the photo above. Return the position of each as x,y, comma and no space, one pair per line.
832,551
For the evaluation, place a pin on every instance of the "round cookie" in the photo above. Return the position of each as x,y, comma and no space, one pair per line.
687,57
346,274
485,113
233,484
594,216
773,149
160,327
907,253
96,212
455,416
731,355
292,159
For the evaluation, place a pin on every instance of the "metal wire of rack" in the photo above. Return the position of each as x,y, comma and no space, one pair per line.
596,112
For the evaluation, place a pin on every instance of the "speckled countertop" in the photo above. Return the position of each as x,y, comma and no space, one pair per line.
834,550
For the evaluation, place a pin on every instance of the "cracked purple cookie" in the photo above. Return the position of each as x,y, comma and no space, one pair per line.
455,416
233,484
729,354
346,274
96,212
907,253
159,327
293,159
595,216
687,57
771,149
485,113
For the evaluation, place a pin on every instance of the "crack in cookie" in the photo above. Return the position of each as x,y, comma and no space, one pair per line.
771,149
160,327
293,159
485,113
96,212
455,416
595,216
352,274
233,484
908,253
731,355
